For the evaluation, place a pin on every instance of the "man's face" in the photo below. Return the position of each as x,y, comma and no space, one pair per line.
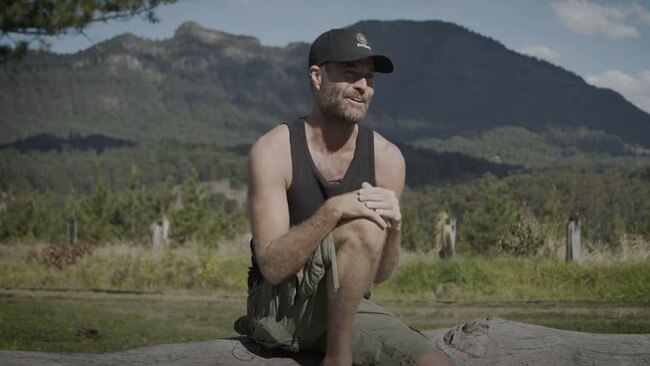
346,89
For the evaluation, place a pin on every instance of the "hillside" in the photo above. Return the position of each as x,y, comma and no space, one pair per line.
456,82
211,87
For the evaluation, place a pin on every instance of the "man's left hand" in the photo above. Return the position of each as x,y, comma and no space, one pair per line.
384,202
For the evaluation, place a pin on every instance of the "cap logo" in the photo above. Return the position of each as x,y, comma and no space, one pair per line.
362,41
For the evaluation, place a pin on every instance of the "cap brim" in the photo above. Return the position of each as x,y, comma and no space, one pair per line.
382,64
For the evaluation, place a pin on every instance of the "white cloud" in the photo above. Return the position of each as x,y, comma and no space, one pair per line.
614,22
642,14
635,89
542,52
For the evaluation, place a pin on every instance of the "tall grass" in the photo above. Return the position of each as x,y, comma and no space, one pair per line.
520,280
132,268
123,267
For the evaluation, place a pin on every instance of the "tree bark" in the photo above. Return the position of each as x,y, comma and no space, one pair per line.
491,341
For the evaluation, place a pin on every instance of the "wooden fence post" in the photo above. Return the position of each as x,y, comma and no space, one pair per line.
72,231
449,239
160,233
165,233
573,240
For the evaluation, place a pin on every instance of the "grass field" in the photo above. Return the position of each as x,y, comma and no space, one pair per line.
50,320
187,294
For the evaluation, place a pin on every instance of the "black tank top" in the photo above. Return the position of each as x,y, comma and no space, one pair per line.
309,189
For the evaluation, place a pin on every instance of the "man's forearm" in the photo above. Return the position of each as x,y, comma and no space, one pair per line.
390,255
286,255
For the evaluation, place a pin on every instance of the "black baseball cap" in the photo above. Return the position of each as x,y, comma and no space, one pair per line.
346,45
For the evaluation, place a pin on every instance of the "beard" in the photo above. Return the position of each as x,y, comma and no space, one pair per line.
334,105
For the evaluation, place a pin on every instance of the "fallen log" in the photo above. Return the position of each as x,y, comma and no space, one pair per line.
491,341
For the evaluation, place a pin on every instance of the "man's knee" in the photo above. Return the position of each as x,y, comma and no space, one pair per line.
363,234
435,358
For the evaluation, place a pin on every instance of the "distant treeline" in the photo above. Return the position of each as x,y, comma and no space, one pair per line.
526,213
117,194
68,171
521,214
46,142
426,167
125,214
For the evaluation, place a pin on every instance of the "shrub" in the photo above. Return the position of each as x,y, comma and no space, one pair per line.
63,256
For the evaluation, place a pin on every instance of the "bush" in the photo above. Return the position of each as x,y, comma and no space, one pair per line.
63,256
521,238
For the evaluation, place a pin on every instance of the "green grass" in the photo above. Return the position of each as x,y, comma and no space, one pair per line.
520,279
194,294
49,320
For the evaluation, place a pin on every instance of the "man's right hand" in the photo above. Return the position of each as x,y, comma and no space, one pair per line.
350,207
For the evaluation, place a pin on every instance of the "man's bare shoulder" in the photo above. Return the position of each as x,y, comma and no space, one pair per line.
270,157
390,168
386,152
275,141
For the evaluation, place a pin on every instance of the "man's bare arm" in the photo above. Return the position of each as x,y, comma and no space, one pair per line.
280,250
390,171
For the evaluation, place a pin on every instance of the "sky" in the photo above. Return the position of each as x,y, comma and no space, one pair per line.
605,42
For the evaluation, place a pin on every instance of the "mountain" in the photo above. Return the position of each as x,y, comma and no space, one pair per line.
201,85
207,86
456,82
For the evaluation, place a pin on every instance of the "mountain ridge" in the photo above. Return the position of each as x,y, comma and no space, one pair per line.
208,85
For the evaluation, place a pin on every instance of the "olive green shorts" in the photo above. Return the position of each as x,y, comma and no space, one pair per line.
293,316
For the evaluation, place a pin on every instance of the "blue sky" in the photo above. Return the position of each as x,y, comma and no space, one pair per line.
605,42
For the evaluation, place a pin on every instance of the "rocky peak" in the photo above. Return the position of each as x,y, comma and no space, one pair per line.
208,36
127,42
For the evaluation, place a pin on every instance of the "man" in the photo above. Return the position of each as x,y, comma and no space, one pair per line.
324,202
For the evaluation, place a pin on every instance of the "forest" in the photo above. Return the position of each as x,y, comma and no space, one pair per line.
501,209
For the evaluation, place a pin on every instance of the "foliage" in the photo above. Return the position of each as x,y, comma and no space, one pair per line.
607,204
31,217
492,212
72,171
126,213
63,256
46,142
426,166
95,213
416,235
37,19
521,238
494,223
197,220
550,147
527,213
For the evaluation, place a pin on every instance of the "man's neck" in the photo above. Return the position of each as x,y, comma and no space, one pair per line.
330,135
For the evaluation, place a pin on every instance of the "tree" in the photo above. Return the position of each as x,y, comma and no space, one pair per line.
37,19
489,218
94,215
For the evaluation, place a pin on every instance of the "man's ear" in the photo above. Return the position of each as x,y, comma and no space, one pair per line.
315,76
